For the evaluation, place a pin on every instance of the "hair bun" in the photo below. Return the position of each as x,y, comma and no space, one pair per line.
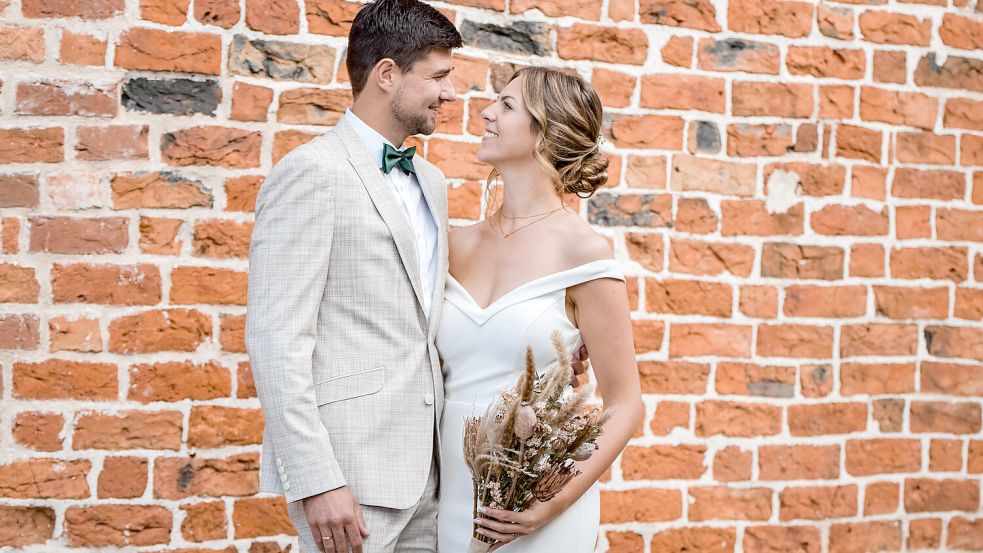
584,176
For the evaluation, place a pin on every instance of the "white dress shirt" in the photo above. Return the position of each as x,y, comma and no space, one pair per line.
410,194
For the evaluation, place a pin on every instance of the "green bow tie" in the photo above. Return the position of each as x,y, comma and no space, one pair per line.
392,157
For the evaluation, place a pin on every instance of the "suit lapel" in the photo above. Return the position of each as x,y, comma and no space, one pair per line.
433,194
385,202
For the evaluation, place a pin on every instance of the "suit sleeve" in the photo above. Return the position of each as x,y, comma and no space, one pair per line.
288,268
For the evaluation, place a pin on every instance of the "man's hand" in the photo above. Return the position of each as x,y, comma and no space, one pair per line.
336,521
580,363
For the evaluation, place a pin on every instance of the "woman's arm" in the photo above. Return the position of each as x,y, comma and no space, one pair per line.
602,314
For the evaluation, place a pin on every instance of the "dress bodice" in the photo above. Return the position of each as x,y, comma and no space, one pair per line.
483,349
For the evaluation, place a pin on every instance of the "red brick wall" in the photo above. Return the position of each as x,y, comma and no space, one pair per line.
797,194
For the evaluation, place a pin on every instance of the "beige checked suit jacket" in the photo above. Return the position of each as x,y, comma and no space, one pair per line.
342,354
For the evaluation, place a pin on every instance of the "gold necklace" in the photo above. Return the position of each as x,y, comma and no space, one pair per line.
500,214
513,231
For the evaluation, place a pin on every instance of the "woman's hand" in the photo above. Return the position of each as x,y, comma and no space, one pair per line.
506,526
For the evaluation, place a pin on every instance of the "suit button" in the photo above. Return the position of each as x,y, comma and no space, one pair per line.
283,478
428,399
280,468
286,487
279,461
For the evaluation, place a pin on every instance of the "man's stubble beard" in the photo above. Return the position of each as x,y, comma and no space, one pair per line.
412,123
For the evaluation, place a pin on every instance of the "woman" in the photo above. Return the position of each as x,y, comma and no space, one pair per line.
532,267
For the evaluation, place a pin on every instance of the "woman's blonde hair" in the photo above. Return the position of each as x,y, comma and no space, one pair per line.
567,117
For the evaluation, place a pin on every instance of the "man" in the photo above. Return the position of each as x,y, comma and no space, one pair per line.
347,267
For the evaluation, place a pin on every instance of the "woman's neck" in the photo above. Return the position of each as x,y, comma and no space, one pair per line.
527,191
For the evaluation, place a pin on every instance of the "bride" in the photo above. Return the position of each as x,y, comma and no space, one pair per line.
531,268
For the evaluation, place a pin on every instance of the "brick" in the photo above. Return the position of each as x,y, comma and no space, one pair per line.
614,45
174,381
787,260
792,19
106,284
877,378
825,62
911,109
78,235
940,185
20,331
951,379
755,380
798,462
684,92
926,495
20,284
737,419
66,98
694,215
913,221
903,302
710,258
664,462
888,413
673,377
245,388
956,72
945,456
65,379
894,28
21,526
37,145
790,100
969,304
865,536
128,430
644,210
772,539
232,334
261,517
735,54
835,22
38,431
329,17
22,44
723,503
624,542
222,13
640,506
817,380
221,239
204,521
662,132
275,17
175,96
96,9
241,192
959,225
752,218
945,417
827,418
835,102
159,330
158,236
882,456
759,301
690,538
118,525
924,147
161,190
676,13
963,113
817,502
122,477
167,12
207,285
965,534
843,220
881,498
794,340
858,143
45,479
869,182
924,533
744,140
825,301
732,464
878,339
19,191
159,50
935,263
688,297
111,143
668,416
215,426
890,66
182,477
211,145
691,173
678,50
700,339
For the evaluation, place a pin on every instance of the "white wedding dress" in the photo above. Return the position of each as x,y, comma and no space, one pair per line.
483,352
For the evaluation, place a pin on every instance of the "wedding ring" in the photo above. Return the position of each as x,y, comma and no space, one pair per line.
327,538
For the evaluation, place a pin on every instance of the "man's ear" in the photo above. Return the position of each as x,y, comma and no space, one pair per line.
385,74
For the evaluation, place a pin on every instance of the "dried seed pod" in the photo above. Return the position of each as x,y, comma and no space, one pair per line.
525,422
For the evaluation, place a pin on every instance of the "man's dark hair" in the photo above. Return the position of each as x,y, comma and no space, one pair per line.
402,30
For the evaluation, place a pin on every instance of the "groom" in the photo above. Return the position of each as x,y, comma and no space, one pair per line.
346,274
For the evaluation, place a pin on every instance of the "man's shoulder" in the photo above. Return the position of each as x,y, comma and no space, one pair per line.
325,152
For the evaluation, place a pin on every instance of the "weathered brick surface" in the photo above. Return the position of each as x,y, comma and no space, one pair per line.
795,195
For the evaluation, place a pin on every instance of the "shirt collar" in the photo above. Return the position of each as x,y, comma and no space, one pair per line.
370,137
